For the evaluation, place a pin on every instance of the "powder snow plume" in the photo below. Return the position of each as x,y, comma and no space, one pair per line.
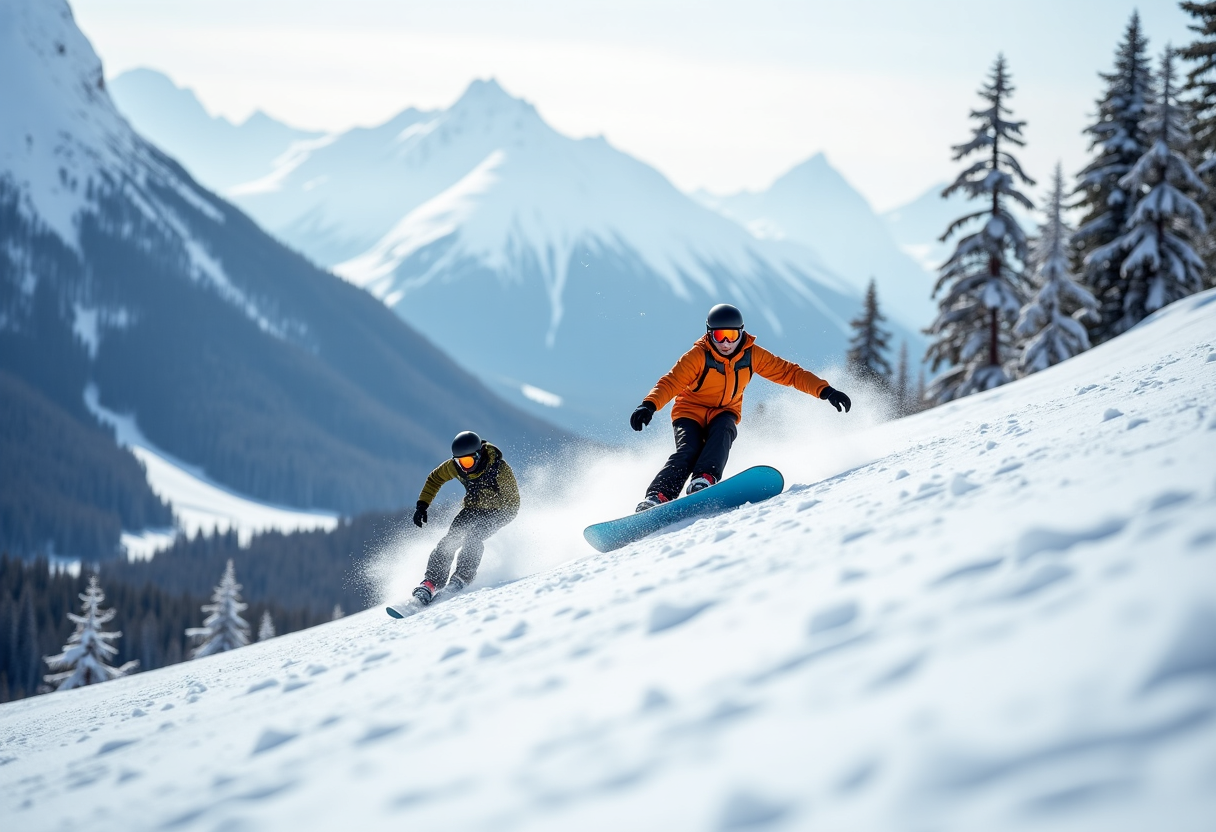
565,491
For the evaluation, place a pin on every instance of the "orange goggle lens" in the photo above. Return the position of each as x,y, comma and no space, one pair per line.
721,335
466,462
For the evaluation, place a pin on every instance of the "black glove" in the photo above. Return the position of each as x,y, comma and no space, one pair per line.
420,513
641,415
835,398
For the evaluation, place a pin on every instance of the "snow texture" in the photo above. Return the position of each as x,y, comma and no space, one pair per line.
878,648
200,504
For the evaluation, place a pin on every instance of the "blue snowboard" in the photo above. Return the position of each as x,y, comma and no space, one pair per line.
750,486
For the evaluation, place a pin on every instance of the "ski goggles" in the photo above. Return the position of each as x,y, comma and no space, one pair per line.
467,462
721,335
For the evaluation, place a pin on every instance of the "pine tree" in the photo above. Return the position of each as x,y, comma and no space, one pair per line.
223,629
1200,94
266,627
1120,140
1160,265
1048,325
900,390
866,357
982,284
86,656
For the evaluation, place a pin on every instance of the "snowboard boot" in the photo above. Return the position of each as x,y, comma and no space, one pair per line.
701,481
455,584
424,592
651,501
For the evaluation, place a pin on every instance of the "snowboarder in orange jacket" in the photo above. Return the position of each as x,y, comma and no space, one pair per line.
707,384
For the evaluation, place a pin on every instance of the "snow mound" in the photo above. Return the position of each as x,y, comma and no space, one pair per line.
996,615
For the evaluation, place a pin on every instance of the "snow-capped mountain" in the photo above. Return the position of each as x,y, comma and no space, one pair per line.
217,153
481,220
231,353
548,257
535,258
814,205
996,615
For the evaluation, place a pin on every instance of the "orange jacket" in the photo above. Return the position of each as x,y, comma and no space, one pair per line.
705,383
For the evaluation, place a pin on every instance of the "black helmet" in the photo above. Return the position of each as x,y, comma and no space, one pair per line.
466,443
724,316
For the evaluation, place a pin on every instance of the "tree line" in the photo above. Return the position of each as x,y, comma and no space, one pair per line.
1010,304
164,609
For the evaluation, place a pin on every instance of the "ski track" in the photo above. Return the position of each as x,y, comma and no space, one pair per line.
1003,621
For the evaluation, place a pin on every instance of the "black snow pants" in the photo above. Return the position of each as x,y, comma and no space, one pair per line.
469,531
699,450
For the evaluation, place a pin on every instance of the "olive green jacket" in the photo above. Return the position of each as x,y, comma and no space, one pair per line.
491,488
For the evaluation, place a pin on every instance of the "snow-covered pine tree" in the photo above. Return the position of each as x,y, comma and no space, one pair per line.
982,284
85,659
223,629
338,613
266,627
1160,265
866,358
1048,325
1199,91
1119,138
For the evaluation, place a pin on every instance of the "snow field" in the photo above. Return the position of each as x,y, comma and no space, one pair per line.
996,615
200,504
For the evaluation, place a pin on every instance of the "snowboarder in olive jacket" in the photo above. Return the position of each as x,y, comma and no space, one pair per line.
491,501
707,384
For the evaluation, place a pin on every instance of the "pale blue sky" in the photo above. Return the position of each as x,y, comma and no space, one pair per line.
722,95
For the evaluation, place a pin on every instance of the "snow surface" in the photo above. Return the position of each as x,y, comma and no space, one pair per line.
996,615
200,504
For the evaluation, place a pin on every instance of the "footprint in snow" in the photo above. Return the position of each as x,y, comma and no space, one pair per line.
655,700
518,631
1046,575
114,745
747,810
666,616
960,486
379,732
833,617
271,739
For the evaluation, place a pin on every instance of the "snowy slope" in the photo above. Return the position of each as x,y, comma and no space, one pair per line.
814,205
218,153
200,505
996,615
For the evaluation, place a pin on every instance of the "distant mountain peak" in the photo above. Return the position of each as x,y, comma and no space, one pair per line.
486,98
